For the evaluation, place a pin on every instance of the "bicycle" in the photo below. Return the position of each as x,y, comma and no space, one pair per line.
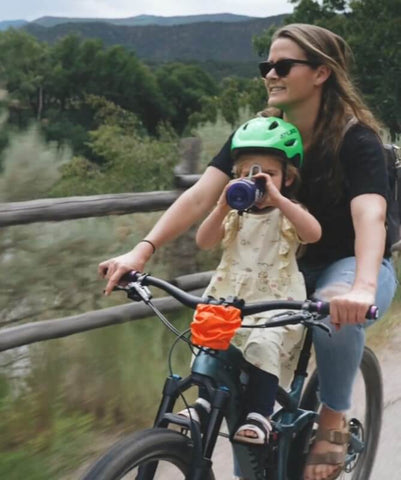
146,454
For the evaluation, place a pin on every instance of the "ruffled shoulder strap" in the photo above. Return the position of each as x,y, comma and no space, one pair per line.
231,227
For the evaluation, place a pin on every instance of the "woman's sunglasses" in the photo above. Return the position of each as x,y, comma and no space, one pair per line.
283,67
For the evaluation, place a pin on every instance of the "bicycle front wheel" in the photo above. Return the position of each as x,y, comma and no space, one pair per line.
365,416
156,453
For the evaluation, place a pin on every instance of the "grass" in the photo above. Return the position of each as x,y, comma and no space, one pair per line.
214,135
49,453
379,333
84,391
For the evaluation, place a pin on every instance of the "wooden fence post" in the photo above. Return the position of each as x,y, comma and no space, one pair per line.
181,253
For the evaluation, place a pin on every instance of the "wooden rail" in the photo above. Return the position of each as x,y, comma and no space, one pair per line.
68,208
62,327
59,209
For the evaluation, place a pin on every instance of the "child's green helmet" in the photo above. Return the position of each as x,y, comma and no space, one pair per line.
272,134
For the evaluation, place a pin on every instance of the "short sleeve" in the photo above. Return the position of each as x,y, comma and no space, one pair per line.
223,160
362,157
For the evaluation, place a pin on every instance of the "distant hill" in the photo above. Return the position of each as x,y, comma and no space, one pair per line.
5,24
141,20
202,41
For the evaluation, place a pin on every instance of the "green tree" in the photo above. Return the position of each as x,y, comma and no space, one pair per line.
51,82
23,68
85,67
130,159
74,66
374,33
186,88
230,101
254,95
129,83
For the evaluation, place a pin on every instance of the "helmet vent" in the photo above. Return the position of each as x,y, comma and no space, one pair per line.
273,125
290,143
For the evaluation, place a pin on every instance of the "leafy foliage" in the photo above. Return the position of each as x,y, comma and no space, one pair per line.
374,32
186,88
23,67
51,84
30,167
130,160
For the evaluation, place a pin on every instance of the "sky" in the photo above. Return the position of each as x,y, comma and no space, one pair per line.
33,9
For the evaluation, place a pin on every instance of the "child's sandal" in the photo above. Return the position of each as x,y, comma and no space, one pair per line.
256,423
197,412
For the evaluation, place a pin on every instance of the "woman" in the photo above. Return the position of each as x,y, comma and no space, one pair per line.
344,187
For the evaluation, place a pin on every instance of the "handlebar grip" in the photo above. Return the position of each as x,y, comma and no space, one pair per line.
371,314
131,276
323,307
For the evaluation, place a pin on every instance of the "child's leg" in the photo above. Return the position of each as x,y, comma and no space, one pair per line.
261,391
261,395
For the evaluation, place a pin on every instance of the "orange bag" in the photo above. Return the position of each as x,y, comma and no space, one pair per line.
214,326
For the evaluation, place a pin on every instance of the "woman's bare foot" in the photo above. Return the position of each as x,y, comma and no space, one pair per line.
329,420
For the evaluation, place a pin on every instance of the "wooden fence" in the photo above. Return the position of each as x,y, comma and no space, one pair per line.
59,209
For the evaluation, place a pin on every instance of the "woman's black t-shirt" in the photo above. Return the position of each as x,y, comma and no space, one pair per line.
363,171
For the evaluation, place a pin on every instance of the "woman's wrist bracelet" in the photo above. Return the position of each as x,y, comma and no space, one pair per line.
150,243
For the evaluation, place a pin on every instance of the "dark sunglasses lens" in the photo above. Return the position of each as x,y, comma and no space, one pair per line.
265,68
283,67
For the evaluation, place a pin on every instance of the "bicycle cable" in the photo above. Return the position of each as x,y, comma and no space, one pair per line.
166,322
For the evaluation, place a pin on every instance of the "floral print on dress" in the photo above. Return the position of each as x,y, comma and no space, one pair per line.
259,263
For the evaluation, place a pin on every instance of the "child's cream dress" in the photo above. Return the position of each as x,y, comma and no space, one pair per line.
259,263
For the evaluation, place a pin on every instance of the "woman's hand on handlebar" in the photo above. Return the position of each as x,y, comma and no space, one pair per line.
114,268
350,307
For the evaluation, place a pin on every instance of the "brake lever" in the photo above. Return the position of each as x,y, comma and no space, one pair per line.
118,288
138,292
316,323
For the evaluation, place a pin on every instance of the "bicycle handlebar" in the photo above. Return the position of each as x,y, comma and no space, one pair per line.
192,301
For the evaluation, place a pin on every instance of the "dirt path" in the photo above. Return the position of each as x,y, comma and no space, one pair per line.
388,460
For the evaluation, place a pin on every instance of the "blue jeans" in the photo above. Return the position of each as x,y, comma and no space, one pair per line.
338,357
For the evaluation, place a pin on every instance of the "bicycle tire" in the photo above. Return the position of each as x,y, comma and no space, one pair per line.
141,448
372,378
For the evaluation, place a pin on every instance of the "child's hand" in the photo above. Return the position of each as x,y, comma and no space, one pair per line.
272,196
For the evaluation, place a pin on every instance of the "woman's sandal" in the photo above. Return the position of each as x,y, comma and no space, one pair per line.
336,437
256,423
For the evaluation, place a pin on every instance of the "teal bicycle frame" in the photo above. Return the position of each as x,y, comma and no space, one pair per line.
223,373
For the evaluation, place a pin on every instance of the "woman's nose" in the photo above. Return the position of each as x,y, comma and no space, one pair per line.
271,74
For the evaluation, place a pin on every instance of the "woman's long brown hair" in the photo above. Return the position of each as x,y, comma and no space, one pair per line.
340,98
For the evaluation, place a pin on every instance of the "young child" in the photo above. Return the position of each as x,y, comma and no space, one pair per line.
259,262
